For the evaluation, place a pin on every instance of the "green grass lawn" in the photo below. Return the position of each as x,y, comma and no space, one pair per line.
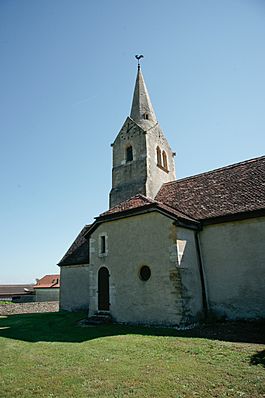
51,355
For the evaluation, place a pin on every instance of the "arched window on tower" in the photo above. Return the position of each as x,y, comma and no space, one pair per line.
129,154
164,156
158,156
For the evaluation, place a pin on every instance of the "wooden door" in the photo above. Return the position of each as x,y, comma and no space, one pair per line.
103,289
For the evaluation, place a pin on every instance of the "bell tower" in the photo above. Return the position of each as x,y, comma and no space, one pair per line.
142,158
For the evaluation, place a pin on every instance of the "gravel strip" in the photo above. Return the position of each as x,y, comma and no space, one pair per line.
29,308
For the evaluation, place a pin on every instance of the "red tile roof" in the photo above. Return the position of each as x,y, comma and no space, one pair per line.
132,203
48,281
141,202
230,190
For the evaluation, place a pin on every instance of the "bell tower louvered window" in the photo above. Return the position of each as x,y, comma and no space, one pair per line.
158,156
164,156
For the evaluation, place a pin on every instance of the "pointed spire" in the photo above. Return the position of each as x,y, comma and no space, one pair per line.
142,111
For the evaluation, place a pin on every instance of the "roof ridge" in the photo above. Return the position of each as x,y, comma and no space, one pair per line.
123,206
230,166
138,195
177,209
144,197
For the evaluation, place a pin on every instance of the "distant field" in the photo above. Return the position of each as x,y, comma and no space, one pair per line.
51,355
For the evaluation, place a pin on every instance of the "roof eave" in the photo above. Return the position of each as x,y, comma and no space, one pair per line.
73,264
180,221
234,217
46,287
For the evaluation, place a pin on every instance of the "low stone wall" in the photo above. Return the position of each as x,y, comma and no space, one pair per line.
29,308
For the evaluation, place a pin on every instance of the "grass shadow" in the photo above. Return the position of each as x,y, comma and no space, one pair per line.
64,327
258,358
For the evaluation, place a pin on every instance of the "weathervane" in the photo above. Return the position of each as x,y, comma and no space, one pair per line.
138,57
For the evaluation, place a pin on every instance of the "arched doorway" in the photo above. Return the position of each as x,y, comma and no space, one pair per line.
103,289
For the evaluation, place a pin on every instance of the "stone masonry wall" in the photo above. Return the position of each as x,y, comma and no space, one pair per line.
128,178
28,308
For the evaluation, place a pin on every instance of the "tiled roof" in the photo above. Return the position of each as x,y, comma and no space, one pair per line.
141,202
14,290
230,190
78,251
132,203
48,281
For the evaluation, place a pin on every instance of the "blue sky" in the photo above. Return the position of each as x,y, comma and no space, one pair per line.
67,74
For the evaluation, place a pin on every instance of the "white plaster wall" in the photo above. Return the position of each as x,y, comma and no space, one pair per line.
148,239
47,294
234,262
74,291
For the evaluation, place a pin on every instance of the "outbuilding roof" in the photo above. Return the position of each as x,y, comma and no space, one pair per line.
15,290
48,282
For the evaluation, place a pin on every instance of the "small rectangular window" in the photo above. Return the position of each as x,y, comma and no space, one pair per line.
129,154
103,244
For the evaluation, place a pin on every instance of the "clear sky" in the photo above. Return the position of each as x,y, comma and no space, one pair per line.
67,73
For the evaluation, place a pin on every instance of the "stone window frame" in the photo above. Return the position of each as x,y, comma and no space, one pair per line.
103,237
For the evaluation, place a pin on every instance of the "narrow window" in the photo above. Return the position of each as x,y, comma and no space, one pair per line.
158,156
146,116
103,244
164,155
129,154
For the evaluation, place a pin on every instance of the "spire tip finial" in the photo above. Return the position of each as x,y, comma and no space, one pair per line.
138,57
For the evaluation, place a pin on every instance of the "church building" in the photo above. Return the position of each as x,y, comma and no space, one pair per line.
167,251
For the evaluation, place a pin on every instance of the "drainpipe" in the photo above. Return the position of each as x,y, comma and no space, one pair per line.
202,275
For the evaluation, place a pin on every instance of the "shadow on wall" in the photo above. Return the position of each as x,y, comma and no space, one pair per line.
65,327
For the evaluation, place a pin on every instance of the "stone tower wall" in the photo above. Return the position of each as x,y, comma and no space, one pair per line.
157,176
128,178
146,172
142,175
